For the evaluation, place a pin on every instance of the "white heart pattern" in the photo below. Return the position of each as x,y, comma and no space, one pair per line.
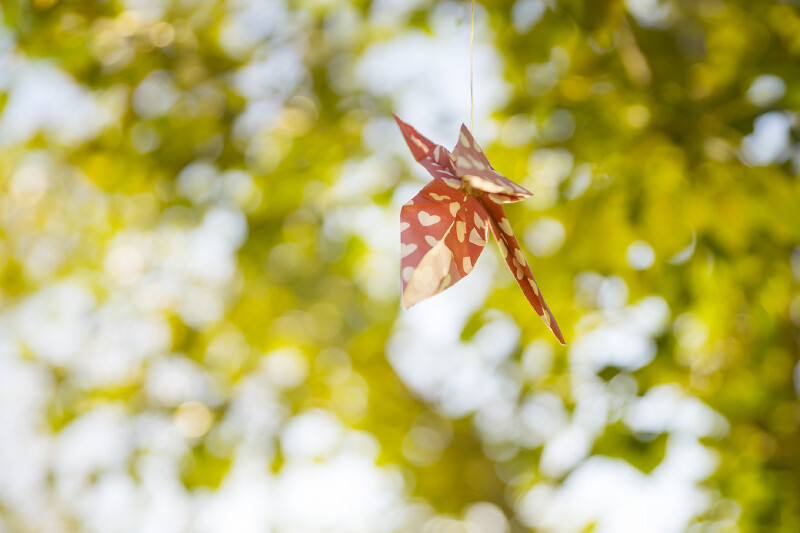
505,226
452,183
407,249
426,219
503,248
461,230
475,238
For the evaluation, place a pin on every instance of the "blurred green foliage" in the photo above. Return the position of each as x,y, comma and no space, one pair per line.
658,113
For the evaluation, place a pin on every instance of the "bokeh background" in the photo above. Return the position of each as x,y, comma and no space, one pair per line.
200,328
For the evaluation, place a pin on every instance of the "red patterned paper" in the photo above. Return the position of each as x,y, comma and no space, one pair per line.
444,228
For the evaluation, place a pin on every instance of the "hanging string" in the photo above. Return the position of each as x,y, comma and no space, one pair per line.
471,61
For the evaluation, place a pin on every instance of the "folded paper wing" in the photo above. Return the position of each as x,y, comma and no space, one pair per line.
419,145
443,232
434,157
472,166
515,259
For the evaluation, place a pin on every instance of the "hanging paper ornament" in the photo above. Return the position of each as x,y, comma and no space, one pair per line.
444,228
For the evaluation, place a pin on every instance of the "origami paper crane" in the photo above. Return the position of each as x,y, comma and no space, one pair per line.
443,229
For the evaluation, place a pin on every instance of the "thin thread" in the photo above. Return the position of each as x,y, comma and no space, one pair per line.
471,61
